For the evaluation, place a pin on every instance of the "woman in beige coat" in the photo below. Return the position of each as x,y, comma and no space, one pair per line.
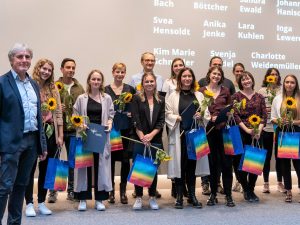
181,167
98,106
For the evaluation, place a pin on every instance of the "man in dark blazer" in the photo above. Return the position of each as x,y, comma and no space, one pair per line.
22,136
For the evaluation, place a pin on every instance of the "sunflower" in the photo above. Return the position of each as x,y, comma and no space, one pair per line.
254,120
209,94
128,98
243,103
196,86
59,85
290,103
139,87
271,79
51,104
77,121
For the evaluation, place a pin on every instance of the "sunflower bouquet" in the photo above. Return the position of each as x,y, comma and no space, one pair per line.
123,99
271,91
67,100
287,114
77,122
49,106
254,121
139,87
206,102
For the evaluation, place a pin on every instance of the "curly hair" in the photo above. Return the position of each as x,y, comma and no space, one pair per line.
48,88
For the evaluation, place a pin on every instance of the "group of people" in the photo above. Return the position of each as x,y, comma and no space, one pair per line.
24,130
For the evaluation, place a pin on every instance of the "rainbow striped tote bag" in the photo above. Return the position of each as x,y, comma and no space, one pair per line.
232,140
56,175
288,145
115,140
196,142
253,160
78,157
143,170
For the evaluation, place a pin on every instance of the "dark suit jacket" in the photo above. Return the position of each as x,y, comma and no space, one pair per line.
12,116
141,117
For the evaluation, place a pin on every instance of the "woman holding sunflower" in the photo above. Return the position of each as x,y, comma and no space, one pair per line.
271,87
285,113
218,161
98,107
251,119
182,169
43,74
121,95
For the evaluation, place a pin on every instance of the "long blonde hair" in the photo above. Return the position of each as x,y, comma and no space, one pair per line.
296,95
142,91
49,87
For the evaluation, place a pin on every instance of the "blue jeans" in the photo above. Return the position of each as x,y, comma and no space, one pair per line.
15,171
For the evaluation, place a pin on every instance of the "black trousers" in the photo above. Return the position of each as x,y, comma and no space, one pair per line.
123,156
67,137
15,171
286,164
42,192
267,140
188,167
139,149
218,161
86,195
248,180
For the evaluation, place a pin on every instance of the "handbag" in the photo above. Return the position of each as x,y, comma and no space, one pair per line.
143,170
56,174
232,140
253,160
78,157
196,143
288,145
115,139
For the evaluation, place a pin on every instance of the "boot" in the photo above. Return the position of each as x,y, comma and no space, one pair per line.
192,197
212,200
173,189
111,198
123,196
179,197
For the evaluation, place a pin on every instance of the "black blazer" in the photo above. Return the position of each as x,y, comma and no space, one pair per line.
12,116
141,117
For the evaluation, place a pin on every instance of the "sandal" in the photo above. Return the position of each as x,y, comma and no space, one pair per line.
288,197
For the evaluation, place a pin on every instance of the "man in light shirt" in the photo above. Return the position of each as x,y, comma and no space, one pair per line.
148,63
22,136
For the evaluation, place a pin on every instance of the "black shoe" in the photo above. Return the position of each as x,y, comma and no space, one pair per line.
111,198
212,200
247,196
123,196
205,189
253,196
229,201
179,197
157,194
220,189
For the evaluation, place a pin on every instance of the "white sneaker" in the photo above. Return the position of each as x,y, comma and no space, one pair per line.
30,212
82,205
43,209
138,204
99,206
153,204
